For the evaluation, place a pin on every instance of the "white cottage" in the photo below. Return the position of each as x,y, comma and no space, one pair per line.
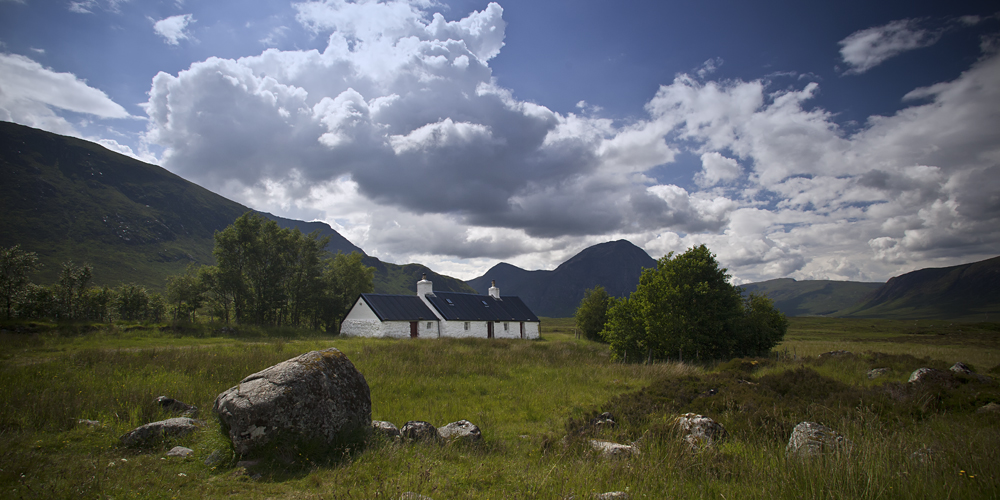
440,314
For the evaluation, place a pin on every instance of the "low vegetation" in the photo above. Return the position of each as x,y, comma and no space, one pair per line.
534,402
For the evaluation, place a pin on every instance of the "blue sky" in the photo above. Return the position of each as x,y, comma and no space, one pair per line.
833,140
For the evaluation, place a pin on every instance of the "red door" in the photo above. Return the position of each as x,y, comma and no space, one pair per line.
489,329
413,329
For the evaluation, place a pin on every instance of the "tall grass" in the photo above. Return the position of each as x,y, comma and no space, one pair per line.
525,395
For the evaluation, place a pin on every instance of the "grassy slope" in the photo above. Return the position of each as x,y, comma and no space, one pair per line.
70,199
812,297
524,395
967,292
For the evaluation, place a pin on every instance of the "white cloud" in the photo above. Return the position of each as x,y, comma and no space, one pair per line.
867,48
717,168
174,28
398,135
29,92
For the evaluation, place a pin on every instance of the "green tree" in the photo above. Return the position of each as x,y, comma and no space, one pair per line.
186,293
131,302
686,307
71,288
15,266
592,313
345,279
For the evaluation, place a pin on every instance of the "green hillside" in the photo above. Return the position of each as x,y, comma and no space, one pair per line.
968,292
812,297
69,199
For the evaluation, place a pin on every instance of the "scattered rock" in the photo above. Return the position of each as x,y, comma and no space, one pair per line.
387,429
180,451
924,375
215,458
608,449
923,455
153,432
836,354
318,400
710,392
89,423
962,368
179,407
989,408
409,495
418,430
700,432
612,495
877,372
463,430
747,382
811,439
604,420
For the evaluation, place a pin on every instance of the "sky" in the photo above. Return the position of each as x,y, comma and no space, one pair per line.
840,140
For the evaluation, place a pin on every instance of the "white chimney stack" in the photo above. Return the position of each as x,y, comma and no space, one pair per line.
494,291
424,286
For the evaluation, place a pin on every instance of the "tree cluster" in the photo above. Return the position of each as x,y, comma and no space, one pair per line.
686,308
264,275
72,297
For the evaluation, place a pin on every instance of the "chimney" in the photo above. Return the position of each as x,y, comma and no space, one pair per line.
494,291
424,286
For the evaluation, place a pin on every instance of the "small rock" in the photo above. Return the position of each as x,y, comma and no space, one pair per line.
811,439
409,495
700,432
923,455
924,374
836,354
463,430
989,408
387,429
179,407
215,458
877,372
612,495
604,420
418,430
89,423
156,431
962,368
608,449
180,451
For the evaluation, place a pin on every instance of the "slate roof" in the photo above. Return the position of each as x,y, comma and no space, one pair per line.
472,307
398,307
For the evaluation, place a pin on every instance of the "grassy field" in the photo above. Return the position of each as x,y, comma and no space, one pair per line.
532,400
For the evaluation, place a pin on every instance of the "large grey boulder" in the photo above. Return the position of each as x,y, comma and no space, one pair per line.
700,432
810,439
961,368
155,432
463,430
318,400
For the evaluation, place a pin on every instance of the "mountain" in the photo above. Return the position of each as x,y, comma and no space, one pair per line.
963,292
70,199
615,265
812,297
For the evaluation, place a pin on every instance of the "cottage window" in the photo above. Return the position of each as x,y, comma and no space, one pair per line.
505,326
428,325
466,325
